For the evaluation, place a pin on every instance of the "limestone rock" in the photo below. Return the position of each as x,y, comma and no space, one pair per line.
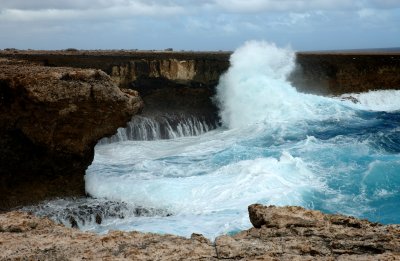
48,241
168,82
288,232
50,121
281,236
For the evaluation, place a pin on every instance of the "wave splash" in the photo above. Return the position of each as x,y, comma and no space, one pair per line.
277,146
383,100
255,89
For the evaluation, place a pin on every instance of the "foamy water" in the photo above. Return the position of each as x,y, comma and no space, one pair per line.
276,146
383,100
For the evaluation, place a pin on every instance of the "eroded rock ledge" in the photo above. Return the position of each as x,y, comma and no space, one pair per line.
279,233
177,82
50,121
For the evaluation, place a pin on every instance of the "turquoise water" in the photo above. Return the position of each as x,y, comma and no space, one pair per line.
207,182
275,146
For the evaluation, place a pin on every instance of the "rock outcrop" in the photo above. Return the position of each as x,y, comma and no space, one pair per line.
192,69
336,73
50,121
289,232
179,83
185,81
318,72
182,85
280,233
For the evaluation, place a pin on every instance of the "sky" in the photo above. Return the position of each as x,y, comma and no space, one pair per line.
198,25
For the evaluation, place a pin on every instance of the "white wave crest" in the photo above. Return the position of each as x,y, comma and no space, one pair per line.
383,100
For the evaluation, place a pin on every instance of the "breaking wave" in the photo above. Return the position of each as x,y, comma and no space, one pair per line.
275,146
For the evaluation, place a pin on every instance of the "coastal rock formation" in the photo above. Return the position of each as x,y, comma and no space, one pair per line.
289,232
173,82
50,121
336,73
25,236
317,72
180,86
185,81
190,72
194,69
280,233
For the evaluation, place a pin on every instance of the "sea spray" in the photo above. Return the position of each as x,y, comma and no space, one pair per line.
277,146
255,89
382,100
254,84
281,147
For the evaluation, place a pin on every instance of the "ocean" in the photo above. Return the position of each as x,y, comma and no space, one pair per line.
273,145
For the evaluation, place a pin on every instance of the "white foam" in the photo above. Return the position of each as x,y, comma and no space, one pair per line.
208,181
383,100
255,89
220,195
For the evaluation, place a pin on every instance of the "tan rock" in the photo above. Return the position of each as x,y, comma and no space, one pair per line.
24,236
49,241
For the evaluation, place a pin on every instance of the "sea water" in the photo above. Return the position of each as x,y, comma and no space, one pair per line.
275,146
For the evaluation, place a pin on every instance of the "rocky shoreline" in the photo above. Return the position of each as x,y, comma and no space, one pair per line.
55,106
279,233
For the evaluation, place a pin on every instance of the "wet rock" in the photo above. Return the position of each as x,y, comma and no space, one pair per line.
350,98
78,212
72,222
98,219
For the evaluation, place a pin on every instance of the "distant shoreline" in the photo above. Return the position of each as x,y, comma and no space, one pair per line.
136,52
380,51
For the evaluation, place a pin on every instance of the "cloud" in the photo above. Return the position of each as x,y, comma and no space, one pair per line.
207,24
55,4
367,13
16,9
384,4
257,6
104,10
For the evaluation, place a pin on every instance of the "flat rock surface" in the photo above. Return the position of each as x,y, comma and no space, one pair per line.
280,233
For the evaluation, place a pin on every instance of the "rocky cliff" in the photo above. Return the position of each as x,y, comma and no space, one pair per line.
180,82
279,233
193,69
50,121
320,72
337,73
185,81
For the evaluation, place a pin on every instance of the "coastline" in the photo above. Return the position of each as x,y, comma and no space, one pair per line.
169,81
279,233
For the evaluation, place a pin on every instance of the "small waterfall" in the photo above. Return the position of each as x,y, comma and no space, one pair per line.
85,213
162,127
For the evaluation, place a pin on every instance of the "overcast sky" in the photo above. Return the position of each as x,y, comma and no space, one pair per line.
198,24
